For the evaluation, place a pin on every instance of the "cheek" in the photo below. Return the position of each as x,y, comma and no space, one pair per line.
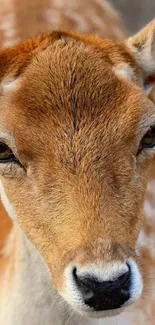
6,202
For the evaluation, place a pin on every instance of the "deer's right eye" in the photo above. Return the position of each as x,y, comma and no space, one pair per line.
10,166
6,154
148,140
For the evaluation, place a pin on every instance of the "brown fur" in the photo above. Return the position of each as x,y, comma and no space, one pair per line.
79,186
68,79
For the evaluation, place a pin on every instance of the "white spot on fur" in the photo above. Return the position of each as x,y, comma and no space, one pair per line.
53,15
6,202
7,247
147,241
7,25
10,85
141,241
118,32
58,3
149,210
151,186
105,5
124,71
98,21
79,20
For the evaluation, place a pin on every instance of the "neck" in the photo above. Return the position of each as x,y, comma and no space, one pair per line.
32,299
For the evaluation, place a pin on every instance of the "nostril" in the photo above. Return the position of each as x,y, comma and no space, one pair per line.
84,281
123,280
93,284
82,285
74,272
104,295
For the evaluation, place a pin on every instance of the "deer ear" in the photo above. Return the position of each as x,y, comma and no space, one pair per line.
142,47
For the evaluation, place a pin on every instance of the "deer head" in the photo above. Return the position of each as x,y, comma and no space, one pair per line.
77,137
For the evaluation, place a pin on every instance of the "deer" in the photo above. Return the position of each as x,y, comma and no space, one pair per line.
77,141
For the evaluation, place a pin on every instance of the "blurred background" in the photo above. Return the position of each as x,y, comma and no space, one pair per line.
135,13
27,18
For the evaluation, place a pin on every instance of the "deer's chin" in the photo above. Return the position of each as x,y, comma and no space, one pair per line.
90,313
101,314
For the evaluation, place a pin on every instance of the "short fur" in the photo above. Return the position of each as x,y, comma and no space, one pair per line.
75,125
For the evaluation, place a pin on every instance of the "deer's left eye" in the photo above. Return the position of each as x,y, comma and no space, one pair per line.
148,140
6,153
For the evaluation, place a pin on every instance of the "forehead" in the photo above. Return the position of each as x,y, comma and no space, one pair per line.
68,87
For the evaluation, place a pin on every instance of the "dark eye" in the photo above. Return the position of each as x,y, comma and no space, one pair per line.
6,153
148,140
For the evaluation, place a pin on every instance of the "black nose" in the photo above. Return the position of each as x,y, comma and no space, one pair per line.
105,295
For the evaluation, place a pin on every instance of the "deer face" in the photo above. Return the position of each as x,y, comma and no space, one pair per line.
76,144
